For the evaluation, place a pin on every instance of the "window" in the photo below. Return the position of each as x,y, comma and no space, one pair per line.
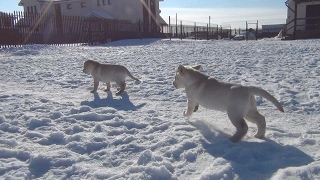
83,4
98,2
104,2
109,2
35,9
68,6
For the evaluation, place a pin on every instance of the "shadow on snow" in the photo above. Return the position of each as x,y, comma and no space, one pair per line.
251,158
122,103
132,42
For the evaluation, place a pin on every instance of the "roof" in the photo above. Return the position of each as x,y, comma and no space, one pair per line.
49,1
300,1
272,26
46,1
304,1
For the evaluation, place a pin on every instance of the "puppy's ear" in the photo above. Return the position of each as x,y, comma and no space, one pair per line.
181,69
199,67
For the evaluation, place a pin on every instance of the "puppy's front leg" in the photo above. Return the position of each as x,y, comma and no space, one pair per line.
190,109
95,85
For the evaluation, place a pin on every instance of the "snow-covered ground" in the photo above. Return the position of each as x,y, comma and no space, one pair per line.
52,127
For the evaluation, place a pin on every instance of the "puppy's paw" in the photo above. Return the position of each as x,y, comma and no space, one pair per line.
186,114
119,93
259,136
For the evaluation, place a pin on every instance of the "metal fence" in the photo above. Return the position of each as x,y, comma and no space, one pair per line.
195,30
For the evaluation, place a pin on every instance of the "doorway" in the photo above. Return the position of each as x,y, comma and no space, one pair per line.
312,11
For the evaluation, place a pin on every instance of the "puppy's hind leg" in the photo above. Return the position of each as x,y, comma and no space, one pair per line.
259,120
122,86
241,126
108,87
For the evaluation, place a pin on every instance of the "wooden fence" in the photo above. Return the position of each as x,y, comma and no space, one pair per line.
33,28
29,28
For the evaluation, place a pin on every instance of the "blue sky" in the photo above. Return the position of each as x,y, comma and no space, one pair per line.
222,12
225,12
223,3
10,5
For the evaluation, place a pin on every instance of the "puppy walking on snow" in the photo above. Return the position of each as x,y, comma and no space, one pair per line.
107,73
237,100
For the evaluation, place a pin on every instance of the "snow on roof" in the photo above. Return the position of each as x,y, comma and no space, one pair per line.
161,21
100,14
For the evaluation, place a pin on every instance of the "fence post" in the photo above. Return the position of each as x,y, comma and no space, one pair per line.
139,26
176,25
246,30
257,31
295,20
170,30
207,32
195,31
140,35
59,22
217,32
180,30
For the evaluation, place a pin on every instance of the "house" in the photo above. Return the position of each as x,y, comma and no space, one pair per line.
135,11
272,28
303,18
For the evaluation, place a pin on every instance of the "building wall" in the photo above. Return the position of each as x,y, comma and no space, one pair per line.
127,10
130,10
302,7
29,5
75,9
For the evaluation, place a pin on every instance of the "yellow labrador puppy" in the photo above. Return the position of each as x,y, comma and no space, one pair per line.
107,73
237,100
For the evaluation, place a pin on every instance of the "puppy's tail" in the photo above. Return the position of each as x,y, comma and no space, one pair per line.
132,77
260,92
